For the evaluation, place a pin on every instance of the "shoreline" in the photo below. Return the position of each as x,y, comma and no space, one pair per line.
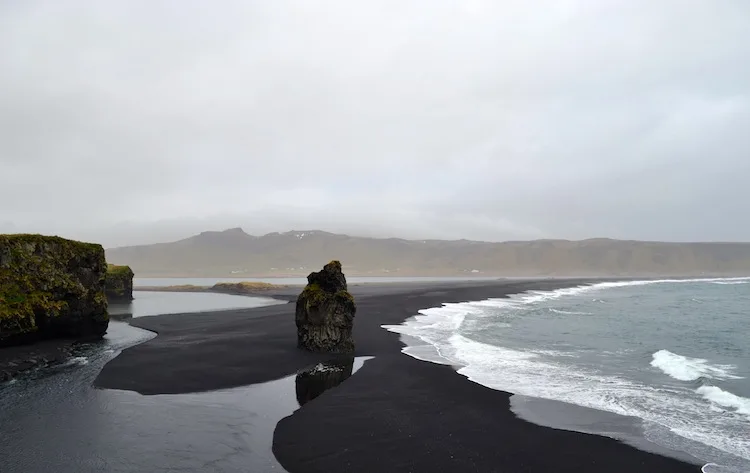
426,416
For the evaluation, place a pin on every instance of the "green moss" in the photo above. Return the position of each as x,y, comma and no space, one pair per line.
40,276
345,295
336,264
116,270
119,282
35,238
314,294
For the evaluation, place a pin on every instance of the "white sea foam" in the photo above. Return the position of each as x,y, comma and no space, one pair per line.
646,282
493,303
568,312
426,353
684,368
532,297
529,374
456,312
677,409
725,399
554,353
78,360
431,326
714,468
432,322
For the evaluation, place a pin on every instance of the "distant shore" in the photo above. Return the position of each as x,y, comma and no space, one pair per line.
395,414
446,275
233,288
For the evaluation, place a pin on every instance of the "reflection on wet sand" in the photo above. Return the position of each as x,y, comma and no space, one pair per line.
313,382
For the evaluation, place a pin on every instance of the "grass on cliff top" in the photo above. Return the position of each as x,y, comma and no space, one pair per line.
19,238
119,270
32,281
316,295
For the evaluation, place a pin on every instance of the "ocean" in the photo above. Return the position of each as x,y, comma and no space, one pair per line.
663,363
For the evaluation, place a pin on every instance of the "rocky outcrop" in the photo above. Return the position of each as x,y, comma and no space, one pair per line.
119,283
325,312
51,287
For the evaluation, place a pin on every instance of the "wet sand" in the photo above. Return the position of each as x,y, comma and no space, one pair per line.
395,414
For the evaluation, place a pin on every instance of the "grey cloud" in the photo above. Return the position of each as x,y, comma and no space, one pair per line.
144,121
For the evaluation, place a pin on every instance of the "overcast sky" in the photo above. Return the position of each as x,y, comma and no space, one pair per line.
144,121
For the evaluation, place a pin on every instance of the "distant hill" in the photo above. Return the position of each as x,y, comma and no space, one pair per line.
235,253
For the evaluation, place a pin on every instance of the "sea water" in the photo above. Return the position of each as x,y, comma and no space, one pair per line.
672,354
147,303
53,419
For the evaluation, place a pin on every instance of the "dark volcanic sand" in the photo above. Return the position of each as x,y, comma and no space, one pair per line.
396,414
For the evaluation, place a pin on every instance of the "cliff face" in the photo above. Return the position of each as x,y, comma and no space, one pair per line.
51,287
119,283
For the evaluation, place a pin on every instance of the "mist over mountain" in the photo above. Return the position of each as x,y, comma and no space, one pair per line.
234,253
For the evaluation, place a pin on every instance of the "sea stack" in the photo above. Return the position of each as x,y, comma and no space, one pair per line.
51,287
325,312
119,283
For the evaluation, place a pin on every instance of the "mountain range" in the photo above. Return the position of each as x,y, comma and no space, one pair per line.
234,253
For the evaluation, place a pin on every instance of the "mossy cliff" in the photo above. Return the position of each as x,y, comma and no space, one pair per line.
325,312
51,287
119,283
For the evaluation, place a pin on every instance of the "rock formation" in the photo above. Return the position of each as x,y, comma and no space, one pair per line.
119,283
51,287
325,312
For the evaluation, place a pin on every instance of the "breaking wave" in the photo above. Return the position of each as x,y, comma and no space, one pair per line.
725,399
684,368
695,420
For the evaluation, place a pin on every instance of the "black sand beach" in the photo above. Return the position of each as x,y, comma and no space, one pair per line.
396,414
